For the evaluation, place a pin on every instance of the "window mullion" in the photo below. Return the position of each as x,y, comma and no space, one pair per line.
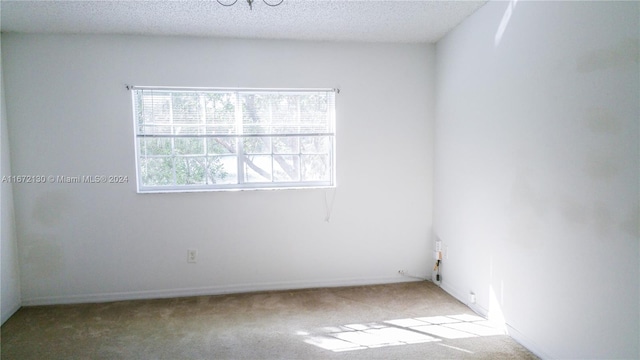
298,117
271,130
205,140
299,158
173,144
240,140
299,140
140,102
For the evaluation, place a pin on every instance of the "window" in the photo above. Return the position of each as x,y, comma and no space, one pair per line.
222,139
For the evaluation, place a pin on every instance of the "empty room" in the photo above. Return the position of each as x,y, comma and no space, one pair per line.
320,179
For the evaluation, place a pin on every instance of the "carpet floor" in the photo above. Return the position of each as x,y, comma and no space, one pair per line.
415,320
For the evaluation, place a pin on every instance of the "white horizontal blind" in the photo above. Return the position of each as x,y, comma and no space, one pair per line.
199,139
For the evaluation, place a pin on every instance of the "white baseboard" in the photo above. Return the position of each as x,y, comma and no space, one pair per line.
459,295
516,335
6,314
523,340
208,290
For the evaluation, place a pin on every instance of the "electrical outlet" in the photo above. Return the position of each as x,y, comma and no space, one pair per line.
472,298
192,255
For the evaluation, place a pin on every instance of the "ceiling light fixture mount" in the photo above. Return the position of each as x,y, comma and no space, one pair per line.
250,2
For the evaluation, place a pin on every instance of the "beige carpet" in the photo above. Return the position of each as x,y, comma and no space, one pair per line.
414,320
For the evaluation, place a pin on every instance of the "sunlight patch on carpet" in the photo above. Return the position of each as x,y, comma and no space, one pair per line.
397,332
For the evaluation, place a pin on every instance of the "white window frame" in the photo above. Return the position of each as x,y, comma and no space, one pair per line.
240,136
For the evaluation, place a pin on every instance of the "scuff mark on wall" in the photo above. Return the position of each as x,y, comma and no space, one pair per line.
43,256
616,56
50,208
527,209
574,212
602,164
631,225
602,220
602,120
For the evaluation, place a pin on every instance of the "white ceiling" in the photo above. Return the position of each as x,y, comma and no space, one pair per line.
333,20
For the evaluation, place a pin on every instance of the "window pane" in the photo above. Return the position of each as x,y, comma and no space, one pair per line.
156,171
218,129
286,168
221,145
220,108
186,108
155,146
315,144
257,168
286,110
257,145
190,170
189,146
313,112
222,170
255,112
156,107
286,145
315,168
154,112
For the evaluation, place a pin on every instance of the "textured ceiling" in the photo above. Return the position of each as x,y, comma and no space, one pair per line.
346,20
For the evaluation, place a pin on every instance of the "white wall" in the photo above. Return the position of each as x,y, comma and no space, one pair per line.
10,281
537,172
71,115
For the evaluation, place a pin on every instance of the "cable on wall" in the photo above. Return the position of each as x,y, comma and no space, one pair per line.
328,206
